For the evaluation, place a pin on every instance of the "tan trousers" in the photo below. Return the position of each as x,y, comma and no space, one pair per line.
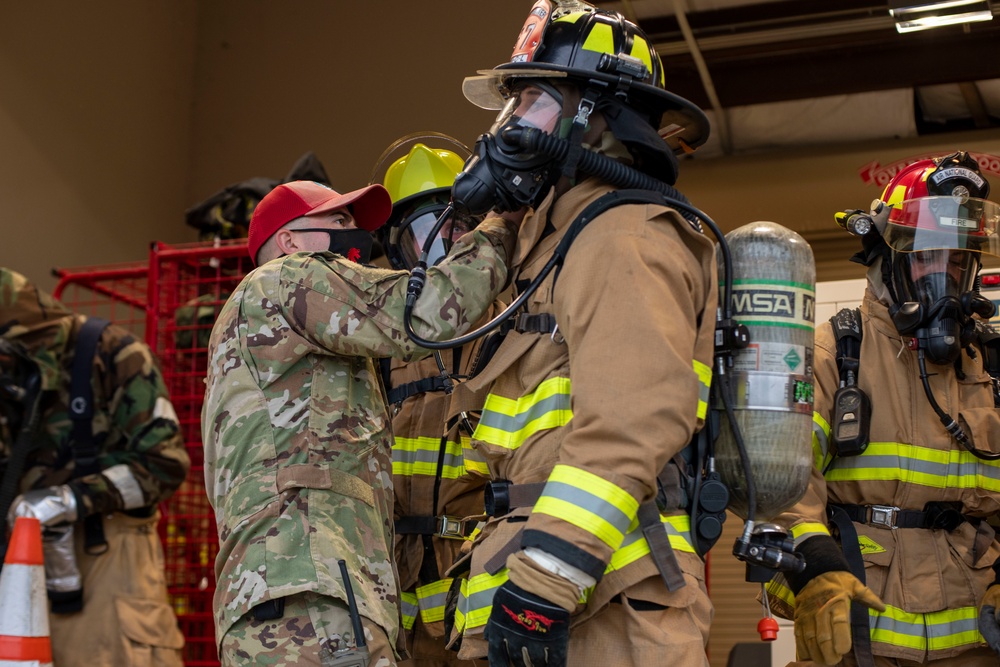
980,657
639,633
126,619
429,651
309,634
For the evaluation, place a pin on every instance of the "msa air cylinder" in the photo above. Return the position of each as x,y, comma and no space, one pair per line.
774,296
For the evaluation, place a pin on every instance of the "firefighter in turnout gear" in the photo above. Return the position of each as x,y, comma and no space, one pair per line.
102,450
434,498
604,378
906,438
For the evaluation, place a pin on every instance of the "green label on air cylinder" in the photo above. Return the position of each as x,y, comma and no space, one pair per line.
769,303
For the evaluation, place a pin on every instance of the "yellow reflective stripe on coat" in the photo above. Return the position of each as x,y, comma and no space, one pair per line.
508,422
431,599
419,456
931,631
588,502
803,531
476,599
476,596
779,589
473,460
408,605
821,440
704,374
911,464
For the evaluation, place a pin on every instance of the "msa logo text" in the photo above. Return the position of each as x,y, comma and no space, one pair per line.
775,303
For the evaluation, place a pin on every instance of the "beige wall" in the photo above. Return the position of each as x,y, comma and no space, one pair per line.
95,110
116,115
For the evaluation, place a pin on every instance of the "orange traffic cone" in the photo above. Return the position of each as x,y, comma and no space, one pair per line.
24,606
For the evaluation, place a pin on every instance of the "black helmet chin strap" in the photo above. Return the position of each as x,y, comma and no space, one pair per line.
586,107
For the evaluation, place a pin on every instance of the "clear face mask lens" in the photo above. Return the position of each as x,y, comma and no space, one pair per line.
531,106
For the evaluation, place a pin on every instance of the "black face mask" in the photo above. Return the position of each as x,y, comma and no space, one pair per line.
354,245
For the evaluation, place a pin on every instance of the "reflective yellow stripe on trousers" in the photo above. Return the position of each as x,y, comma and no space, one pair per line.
419,456
431,599
932,631
408,604
477,592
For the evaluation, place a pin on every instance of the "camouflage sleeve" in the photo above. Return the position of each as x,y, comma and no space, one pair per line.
143,459
354,310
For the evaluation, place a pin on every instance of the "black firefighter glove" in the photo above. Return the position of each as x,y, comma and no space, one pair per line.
526,630
989,624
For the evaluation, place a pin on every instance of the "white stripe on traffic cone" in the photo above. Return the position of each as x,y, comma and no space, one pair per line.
24,605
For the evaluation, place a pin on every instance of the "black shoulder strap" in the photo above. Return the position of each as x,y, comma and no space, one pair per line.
609,201
81,396
848,332
989,343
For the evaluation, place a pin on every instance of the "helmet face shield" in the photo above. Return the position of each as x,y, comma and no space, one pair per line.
944,223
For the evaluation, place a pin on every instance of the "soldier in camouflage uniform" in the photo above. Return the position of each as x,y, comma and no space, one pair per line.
296,434
125,618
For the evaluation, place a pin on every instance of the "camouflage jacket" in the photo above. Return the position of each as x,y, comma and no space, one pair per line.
296,434
142,456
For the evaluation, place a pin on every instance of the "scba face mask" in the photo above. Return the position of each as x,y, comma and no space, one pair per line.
500,175
409,237
937,291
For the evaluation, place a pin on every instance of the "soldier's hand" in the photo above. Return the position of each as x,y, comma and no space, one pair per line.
989,624
525,630
51,506
823,616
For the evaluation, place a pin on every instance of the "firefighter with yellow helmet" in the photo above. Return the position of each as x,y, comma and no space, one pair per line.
434,498
588,557
907,439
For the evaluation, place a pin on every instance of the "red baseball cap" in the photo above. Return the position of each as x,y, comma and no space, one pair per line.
370,207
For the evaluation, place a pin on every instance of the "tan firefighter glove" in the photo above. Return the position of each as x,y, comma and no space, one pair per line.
823,615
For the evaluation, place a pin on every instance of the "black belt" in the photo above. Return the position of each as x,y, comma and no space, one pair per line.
942,516
450,527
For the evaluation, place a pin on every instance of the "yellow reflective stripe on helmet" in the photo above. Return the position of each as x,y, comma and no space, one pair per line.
571,18
408,604
803,531
640,50
419,456
601,39
431,599
508,422
932,631
589,502
911,464
704,374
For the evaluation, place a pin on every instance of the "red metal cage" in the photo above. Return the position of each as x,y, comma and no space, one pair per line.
171,301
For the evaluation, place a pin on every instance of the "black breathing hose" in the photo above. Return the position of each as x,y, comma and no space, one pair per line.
954,429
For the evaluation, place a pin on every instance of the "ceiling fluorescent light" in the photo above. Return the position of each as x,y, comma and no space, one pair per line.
911,16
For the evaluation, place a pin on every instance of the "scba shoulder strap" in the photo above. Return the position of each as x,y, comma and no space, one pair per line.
81,412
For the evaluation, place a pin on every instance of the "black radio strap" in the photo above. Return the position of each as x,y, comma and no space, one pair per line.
847,330
81,412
